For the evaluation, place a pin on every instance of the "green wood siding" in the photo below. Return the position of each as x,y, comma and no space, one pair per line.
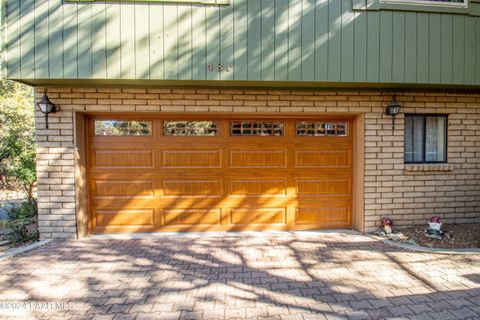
325,41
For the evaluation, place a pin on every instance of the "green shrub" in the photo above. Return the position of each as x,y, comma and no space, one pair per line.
22,220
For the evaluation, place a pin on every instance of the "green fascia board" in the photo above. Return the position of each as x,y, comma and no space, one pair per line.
473,7
210,2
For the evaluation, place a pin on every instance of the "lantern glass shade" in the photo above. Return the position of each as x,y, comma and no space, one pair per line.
46,106
393,108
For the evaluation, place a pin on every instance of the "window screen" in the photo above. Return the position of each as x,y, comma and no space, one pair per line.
425,138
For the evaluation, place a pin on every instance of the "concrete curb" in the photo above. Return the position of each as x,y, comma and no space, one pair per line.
15,251
426,249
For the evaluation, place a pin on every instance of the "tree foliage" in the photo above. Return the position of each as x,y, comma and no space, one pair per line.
17,137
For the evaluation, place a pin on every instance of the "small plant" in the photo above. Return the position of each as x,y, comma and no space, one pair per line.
21,223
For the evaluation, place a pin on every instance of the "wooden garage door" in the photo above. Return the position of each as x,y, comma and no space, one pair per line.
214,173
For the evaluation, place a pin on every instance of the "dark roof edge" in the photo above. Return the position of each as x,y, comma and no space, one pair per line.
338,86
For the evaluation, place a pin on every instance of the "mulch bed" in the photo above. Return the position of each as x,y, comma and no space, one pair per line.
457,236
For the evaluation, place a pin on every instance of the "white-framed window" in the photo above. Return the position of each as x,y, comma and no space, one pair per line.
436,3
207,2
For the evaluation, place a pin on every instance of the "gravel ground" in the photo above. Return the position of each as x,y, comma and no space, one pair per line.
10,194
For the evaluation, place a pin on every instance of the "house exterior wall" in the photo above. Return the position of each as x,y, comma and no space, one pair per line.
334,41
410,194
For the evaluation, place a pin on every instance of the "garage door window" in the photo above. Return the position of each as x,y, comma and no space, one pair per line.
122,128
190,128
257,128
320,129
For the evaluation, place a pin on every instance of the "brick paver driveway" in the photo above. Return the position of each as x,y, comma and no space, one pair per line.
288,276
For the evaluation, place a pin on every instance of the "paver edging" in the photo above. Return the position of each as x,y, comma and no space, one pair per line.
159,235
15,251
426,249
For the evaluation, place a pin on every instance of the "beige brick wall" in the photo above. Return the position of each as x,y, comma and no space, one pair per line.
408,194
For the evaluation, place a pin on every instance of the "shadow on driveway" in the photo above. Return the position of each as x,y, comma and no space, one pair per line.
327,276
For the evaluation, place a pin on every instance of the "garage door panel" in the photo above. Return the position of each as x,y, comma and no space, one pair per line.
125,217
184,188
332,186
127,203
258,187
323,158
123,188
332,202
192,159
316,215
255,216
192,217
123,159
258,158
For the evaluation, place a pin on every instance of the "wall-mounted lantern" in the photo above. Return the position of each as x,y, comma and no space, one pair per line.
47,107
393,109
